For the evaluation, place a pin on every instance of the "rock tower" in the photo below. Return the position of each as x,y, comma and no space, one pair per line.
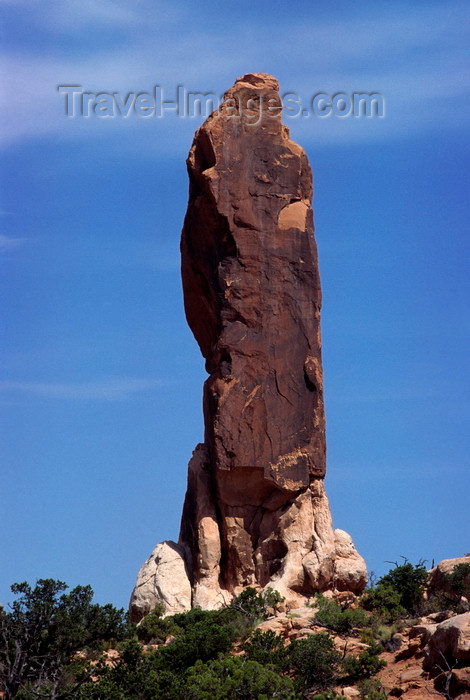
255,512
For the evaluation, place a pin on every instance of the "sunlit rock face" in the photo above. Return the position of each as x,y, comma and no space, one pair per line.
255,511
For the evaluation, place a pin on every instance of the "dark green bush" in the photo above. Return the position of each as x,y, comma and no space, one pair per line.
225,616
161,673
272,598
315,662
134,676
235,678
365,665
202,640
187,619
256,606
39,638
410,582
459,578
386,635
267,648
371,689
384,600
331,615
398,593
155,629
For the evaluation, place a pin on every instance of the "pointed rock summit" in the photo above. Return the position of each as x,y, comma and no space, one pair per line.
255,513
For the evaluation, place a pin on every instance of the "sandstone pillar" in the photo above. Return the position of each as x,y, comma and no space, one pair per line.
255,511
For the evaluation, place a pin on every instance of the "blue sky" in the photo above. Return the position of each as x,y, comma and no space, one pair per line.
101,380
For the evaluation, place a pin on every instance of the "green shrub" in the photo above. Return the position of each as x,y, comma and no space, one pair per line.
371,689
187,619
155,630
235,678
381,633
45,629
272,598
365,665
398,593
384,600
459,578
266,648
410,582
255,606
134,676
161,673
315,662
202,640
331,615
242,626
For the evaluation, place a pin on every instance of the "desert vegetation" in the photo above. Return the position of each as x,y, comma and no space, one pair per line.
59,645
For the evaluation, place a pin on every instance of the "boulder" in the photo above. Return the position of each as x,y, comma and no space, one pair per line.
449,643
162,579
350,571
439,576
460,682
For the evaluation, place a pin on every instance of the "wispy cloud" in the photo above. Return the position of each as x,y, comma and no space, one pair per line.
71,16
9,243
415,57
77,14
109,389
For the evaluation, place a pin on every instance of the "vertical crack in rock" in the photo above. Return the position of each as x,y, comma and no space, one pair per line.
255,511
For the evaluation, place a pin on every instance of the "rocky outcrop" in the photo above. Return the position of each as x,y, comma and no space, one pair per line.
440,576
433,659
256,512
162,579
449,642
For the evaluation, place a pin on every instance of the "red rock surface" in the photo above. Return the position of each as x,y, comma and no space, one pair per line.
252,299
439,576
255,511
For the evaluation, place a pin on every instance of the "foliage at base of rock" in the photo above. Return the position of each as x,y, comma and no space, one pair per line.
459,579
315,662
254,605
155,629
330,614
233,677
371,689
398,593
56,645
40,638
365,665
267,648
204,637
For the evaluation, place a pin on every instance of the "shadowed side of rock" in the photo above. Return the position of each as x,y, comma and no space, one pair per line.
255,511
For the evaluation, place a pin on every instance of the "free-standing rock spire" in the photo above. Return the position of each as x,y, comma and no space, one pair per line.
255,511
